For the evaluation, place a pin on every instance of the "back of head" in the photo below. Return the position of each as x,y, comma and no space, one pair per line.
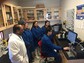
21,22
48,29
16,28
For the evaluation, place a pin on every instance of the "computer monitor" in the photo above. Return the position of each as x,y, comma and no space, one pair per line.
72,36
56,28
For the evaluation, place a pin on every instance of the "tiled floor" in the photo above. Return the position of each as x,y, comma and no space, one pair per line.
36,61
51,59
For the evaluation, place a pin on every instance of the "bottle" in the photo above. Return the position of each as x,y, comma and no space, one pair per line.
63,35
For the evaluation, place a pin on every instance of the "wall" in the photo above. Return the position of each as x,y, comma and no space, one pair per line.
14,2
71,4
7,32
32,3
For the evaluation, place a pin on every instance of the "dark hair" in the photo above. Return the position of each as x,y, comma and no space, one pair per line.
46,21
16,28
48,29
33,24
21,22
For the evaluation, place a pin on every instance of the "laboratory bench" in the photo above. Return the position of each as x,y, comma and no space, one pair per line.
74,55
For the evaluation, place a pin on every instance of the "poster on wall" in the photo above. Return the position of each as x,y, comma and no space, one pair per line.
70,19
80,12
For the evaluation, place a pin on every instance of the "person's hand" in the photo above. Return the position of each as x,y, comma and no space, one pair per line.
66,48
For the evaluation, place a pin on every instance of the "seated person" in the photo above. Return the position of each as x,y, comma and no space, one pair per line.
49,49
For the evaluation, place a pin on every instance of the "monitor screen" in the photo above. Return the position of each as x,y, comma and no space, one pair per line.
72,36
56,28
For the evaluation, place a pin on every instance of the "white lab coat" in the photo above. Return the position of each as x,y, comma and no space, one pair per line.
17,50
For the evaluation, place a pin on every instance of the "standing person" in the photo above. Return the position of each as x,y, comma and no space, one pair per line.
47,23
29,42
37,35
16,46
49,49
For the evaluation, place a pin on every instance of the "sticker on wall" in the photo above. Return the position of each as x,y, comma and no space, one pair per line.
80,12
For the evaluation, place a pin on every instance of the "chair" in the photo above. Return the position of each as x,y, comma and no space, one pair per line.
43,58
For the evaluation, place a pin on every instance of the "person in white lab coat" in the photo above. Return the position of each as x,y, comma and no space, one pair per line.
16,47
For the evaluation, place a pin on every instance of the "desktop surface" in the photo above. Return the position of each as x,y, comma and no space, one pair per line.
76,53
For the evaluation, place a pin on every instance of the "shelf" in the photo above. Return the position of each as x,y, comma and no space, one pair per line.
2,28
9,26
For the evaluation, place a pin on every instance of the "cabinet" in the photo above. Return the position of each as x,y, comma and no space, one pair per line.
40,14
15,17
52,13
56,13
48,14
1,17
9,16
33,14
19,13
29,14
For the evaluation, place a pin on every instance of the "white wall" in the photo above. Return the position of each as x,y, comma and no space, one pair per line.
7,32
71,4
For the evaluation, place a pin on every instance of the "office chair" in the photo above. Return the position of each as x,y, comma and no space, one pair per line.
43,57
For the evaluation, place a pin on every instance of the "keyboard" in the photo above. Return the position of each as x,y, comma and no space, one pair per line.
70,54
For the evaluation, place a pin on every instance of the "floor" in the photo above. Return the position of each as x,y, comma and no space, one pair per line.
5,59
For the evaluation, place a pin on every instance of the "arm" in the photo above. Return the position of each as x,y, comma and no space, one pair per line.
26,39
34,33
51,45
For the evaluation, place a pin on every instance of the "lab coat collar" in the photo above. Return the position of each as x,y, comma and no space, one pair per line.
18,37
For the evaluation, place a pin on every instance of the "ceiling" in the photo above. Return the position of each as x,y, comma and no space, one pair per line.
32,3
1,1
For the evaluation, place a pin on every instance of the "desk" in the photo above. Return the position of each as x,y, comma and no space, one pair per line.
65,58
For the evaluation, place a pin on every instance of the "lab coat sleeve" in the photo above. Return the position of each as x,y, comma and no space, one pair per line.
14,53
53,46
